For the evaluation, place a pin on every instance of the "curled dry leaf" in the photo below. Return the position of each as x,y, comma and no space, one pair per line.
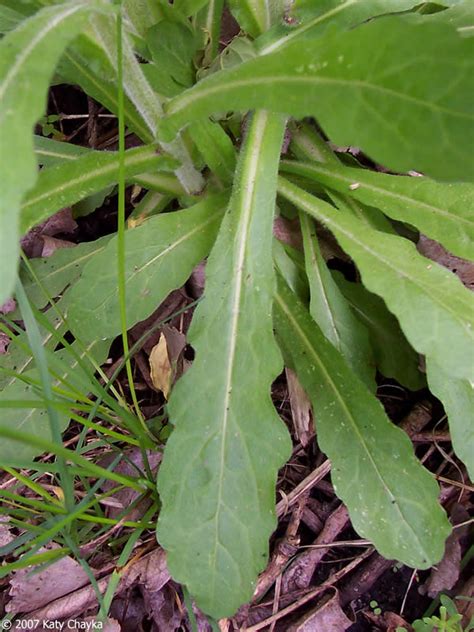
445,575
61,223
123,498
7,307
166,359
51,244
300,408
5,534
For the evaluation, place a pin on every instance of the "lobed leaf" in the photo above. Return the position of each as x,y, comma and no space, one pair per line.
68,182
434,309
217,478
444,212
159,257
391,498
28,56
375,102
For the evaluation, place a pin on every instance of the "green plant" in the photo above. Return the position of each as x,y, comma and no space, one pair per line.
449,620
397,86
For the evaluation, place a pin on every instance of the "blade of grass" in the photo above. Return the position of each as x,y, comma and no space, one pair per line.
37,350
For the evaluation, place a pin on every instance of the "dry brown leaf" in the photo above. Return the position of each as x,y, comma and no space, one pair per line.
165,359
446,573
4,343
61,222
31,589
51,244
123,498
327,616
6,535
300,408
8,307
461,267
197,280
149,571
160,367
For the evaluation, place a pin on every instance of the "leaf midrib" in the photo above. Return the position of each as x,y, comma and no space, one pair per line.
170,248
246,206
187,100
139,156
380,191
305,27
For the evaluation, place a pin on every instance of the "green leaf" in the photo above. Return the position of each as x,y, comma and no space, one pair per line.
217,478
461,16
143,97
159,257
257,16
143,14
28,56
434,309
331,311
35,420
58,271
49,152
458,399
71,181
360,98
86,64
18,357
207,24
9,19
172,46
393,355
444,212
313,18
391,498
215,147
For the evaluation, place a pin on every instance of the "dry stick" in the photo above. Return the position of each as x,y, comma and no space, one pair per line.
299,574
364,579
305,485
284,550
312,593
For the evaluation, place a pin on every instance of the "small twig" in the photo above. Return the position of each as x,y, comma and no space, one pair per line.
412,579
305,485
312,593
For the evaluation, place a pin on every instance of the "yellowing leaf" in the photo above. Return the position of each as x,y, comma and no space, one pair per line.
164,359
